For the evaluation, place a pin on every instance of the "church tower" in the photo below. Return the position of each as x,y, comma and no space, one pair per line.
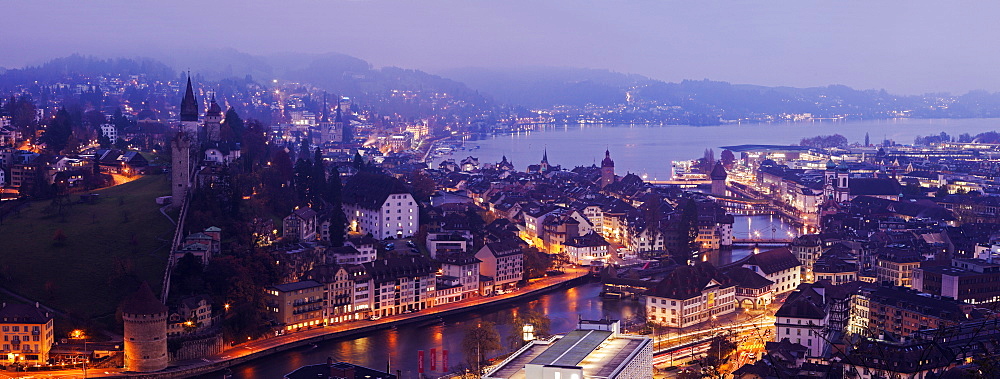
329,131
830,179
544,167
718,177
180,168
837,181
213,121
189,113
607,169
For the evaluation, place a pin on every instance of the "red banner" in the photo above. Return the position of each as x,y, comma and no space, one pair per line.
434,359
444,360
420,361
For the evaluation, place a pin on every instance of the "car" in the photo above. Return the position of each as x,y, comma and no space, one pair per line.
411,244
375,318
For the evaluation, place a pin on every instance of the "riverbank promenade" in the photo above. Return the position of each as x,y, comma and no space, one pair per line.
265,346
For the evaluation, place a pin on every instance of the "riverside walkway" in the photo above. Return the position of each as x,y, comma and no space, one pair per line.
262,347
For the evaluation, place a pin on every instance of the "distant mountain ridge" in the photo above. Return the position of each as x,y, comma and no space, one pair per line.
700,102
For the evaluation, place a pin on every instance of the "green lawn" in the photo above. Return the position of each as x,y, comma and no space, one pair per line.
110,246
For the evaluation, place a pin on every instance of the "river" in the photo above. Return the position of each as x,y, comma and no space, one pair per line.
649,150
399,346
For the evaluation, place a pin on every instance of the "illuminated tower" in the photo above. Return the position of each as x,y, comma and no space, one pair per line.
607,169
145,320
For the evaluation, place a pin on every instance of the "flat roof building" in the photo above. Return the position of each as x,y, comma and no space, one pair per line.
596,349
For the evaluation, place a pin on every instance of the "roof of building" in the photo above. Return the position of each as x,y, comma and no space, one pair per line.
370,190
504,247
303,213
747,278
804,303
686,282
591,239
189,106
23,314
289,287
874,187
772,261
718,172
143,302
831,264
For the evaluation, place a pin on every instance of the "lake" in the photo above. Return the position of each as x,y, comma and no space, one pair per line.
649,150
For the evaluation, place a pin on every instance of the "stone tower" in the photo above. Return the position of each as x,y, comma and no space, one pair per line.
189,114
607,169
145,331
718,177
213,122
180,168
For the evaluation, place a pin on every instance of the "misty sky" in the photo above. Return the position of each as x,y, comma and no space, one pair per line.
903,46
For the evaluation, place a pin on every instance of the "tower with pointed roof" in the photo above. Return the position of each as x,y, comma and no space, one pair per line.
189,113
718,177
145,320
607,169
213,121
544,167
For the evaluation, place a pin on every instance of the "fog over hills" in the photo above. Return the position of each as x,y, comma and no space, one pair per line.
688,101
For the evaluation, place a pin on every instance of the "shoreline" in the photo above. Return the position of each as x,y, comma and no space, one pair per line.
313,336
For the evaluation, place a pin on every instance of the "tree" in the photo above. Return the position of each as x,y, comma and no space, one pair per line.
536,263
479,341
539,321
338,220
58,132
234,124
423,185
317,179
728,158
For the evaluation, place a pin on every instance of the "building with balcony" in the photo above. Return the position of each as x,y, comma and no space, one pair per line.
297,305
27,334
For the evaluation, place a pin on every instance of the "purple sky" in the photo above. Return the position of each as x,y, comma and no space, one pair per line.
902,46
